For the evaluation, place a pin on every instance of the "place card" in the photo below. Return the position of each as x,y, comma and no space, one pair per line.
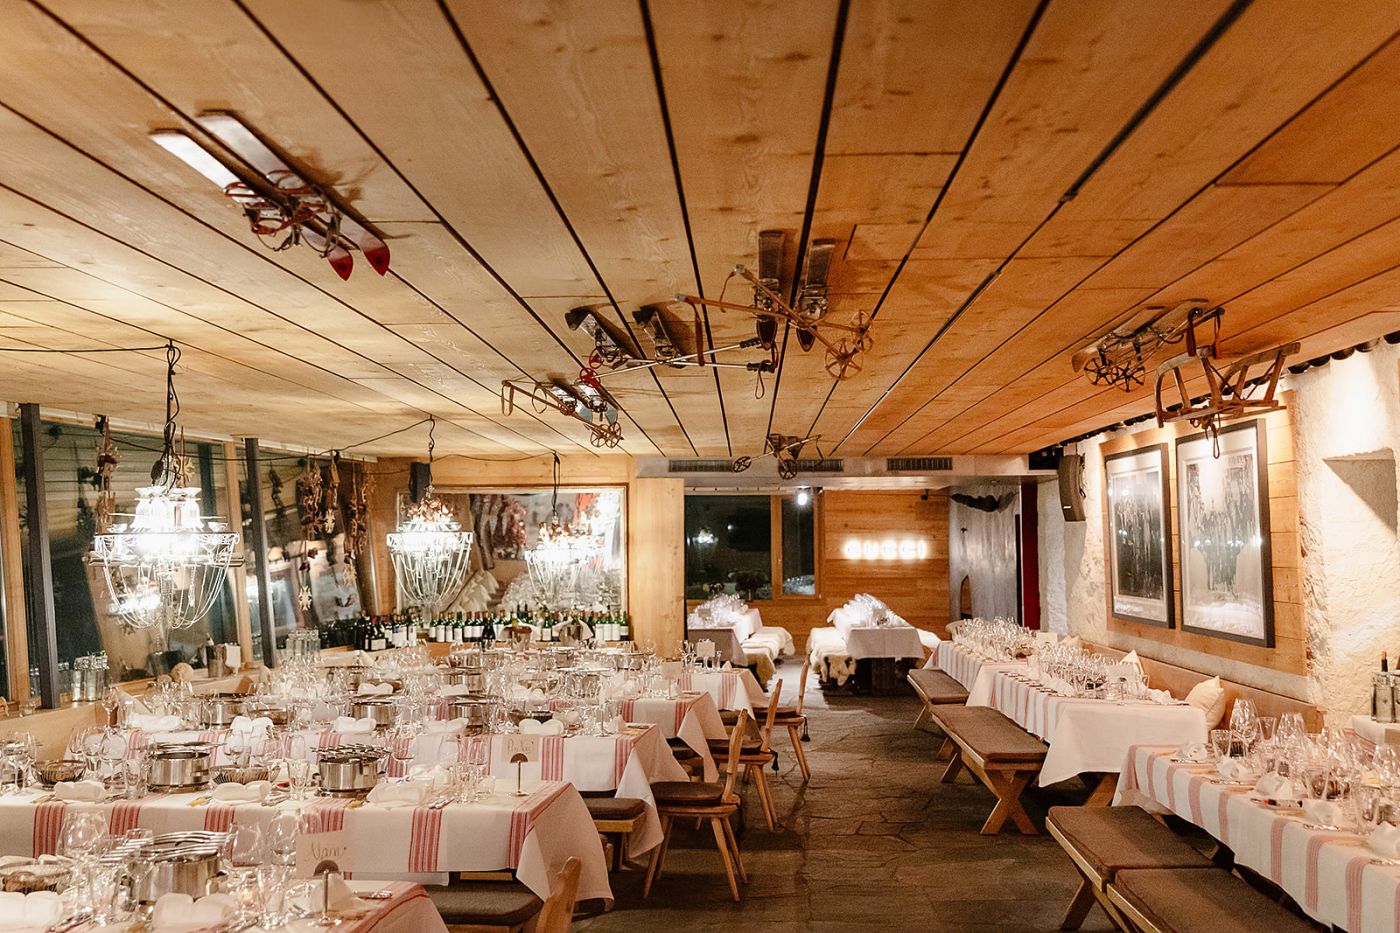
515,746
320,852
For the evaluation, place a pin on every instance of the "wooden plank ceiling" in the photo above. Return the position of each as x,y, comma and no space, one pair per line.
1003,181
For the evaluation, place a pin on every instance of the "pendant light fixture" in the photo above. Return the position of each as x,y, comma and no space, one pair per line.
430,551
566,563
166,566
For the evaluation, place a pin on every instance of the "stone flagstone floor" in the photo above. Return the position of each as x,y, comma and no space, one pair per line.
874,842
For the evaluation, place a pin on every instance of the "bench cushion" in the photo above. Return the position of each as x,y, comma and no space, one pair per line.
1110,839
989,734
489,903
615,808
1194,899
937,687
686,792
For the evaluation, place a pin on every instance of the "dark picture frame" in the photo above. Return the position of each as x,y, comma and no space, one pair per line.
1226,553
1137,523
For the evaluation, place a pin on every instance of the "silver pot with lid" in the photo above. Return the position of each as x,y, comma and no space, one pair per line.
178,766
473,680
380,709
220,709
350,769
180,863
476,710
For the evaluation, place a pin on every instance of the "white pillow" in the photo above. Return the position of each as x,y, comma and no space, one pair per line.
1209,697
1072,643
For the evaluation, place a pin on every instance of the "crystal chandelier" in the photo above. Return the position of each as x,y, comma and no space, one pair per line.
430,551
566,563
165,567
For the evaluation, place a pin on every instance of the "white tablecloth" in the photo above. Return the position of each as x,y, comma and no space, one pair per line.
1087,735
1375,733
734,689
900,640
693,718
1329,874
533,835
973,672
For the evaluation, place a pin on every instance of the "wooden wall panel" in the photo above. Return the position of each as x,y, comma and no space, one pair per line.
1289,653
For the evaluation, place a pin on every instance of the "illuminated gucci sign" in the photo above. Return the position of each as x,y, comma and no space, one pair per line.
885,549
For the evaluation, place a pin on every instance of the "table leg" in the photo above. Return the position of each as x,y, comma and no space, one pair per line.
1102,795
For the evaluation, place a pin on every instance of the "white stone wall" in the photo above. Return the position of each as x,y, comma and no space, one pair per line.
982,546
1346,423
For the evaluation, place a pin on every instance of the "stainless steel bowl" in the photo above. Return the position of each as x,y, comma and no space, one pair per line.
476,710
473,680
219,709
178,767
379,709
180,863
469,660
279,715
351,769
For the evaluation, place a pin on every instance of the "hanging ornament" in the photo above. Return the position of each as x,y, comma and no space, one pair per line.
429,550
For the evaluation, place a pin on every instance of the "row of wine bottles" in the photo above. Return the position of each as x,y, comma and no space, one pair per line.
402,629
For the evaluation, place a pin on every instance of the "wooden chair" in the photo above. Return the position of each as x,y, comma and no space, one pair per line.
558,913
703,800
794,720
755,755
508,906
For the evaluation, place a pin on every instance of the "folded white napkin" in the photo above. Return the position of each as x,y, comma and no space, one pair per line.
538,697
1236,769
407,794
234,792
348,725
1324,812
1194,751
1277,787
535,727
177,913
375,690
444,726
243,725
38,910
340,897
81,791
149,722
432,777
1385,840
454,690
1160,696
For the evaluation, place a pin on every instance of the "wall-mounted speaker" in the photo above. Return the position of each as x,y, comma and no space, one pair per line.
1047,459
1071,473
420,477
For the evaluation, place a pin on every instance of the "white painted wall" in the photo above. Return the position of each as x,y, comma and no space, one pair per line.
1346,422
982,546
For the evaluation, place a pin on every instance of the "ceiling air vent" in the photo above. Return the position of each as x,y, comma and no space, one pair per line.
699,466
820,466
918,464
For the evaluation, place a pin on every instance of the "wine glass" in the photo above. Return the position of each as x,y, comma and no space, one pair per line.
401,740
1244,722
282,834
243,847
1290,727
82,832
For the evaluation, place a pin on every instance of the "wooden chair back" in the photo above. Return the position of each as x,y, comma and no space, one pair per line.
802,685
1180,680
557,915
765,734
736,742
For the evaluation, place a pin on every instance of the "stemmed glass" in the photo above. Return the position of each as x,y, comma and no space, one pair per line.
1244,723
111,699
400,741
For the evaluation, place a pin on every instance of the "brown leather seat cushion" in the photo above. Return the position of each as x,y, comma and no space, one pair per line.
721,747
937,686
489,903
1193,900
990,734
1114,838
686,792
729,716
615,808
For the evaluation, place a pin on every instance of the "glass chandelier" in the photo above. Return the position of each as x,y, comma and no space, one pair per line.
165,567
430,551
566,563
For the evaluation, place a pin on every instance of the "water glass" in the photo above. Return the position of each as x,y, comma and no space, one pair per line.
1220,743
272,896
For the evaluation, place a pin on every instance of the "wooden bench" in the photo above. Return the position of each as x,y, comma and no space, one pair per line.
1103,841
1161,900
935,688
1002,755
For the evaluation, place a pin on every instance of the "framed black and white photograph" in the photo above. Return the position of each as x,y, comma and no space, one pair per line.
1138,491
1226,561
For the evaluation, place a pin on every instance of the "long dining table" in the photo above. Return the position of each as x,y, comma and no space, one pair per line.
1332,876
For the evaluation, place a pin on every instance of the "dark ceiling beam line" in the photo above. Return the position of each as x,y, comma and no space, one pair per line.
833,70
222,290
548,189
981,121
408,183
171,106
1183,67
1216,180
654,55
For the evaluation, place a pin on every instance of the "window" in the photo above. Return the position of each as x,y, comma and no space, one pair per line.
755,547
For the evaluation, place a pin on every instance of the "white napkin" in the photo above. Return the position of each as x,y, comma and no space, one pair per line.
375,690
1324,812
340,897
1194,751
149,722
535,727
80,791
347,725
537,697
1132,658
444,726
37,910
454,690
1277,787
1236,769
432,777
407,794
244,725
1385,840
234,792
178,913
